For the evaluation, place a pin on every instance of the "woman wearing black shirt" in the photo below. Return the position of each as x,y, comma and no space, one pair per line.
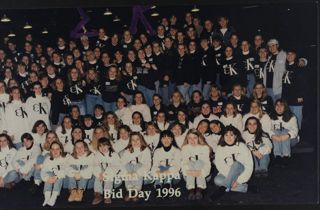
76,89
93,90
110,88
129,85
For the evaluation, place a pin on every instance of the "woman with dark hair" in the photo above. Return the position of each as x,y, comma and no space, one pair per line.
107,165
138,124
129,82
136,163
161,121
152,135
123,112
93,90
79,170
8,175
176,104
216,131
110,88
182,117
157,106
293,82
259,144
206,113
179,131
234,163
284,132
39,131
123,138
166,161
76,86
75,115
53,173
230,116
194,106
60,102
98,114
64,132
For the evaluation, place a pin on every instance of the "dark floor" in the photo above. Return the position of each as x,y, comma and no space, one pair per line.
295,184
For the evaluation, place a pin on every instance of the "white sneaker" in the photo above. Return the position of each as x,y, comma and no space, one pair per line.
53,199
46,198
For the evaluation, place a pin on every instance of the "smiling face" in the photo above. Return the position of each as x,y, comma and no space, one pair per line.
176,130
279,108
254,108
252,125
98,133
27,143
203,127
151,130
79,148
104,148
41,128
77,134
205,109
215,128
3,142
51,137
229,138
124,135
193,139
135,141
229,109
166,141
136,119
120,103
67,123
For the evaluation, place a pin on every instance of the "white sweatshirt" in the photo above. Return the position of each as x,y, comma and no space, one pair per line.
120,144
143,157
83,164
264,148
16,120
39,140
213,141
265,121
201,117
291,125
135,128
124,115
56,166
38,108
108,166
152,141
180,139
234,121
6,158
65,139
113,132
143,109
27,156
200,152
163,126
172,158
4,99
225,157
89,133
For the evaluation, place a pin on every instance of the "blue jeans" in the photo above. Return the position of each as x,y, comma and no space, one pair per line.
81,105
12,176
128,98
261,164
282,148
56,187
184,90
91,101
206,91
297,110
272,95
30,173
18,145
100,186
77,184
251,81
166,92
200,180
166,180
148,94
235,171
111,106
157,84
40,160
133,183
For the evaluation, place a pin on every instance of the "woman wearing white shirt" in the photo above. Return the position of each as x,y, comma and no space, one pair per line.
64,133
16,117
259,144
256,111
179,132
122,142
230,116
123,112
8,176
139,105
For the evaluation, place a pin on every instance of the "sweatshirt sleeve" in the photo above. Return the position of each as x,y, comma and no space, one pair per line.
155,165
32,160
220,163
96,166
147,114
205,171
267,146
247,162
177,162
185,159
293,127
44,170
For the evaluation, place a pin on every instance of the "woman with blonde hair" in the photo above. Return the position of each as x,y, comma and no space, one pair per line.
98,133
196,165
